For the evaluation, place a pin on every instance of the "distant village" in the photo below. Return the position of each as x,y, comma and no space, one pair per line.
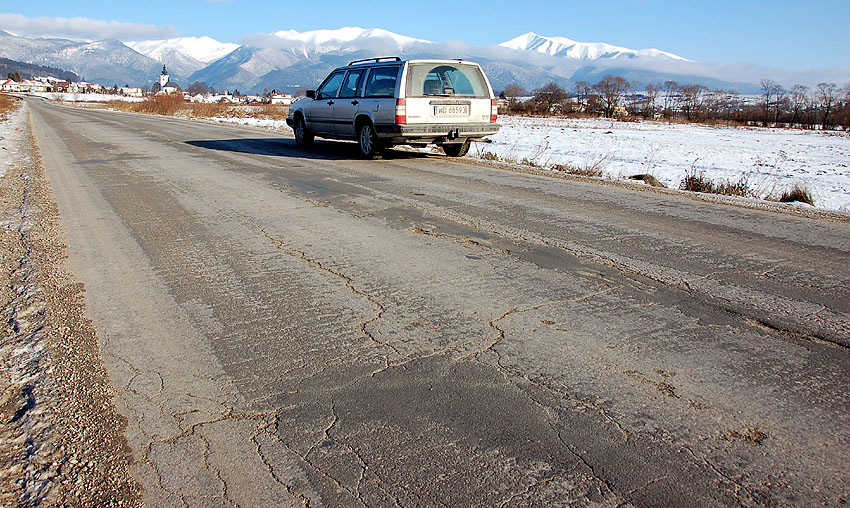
83,90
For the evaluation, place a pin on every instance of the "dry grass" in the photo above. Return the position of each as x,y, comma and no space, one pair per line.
697,181
274,111
168,105
739,188
798,192
7,105
207,110
172,105
594,171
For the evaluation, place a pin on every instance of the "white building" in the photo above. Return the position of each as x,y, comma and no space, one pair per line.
130,91
282,98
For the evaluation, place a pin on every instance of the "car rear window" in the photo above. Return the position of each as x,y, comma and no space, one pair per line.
456,79
381,82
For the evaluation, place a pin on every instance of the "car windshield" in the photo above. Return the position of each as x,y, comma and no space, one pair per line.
456,79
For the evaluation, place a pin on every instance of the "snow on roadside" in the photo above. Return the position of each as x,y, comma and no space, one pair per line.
10,133
83,97
253,122
772,159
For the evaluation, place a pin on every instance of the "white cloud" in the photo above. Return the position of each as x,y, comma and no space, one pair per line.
81,28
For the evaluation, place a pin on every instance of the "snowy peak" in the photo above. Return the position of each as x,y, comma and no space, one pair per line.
203,49
568,48
325,41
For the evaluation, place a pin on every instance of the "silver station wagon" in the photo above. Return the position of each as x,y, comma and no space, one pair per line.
381,102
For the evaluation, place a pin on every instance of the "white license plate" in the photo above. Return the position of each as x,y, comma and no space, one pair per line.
453,110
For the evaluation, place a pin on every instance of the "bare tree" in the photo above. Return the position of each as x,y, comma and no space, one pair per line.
692,100
583,89
611,90
198,87
550,98
650,100
671,89
712,104
846,108
799,98
772,94
825,96
634,100
512,93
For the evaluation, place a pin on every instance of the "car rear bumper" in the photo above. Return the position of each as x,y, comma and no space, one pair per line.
436,133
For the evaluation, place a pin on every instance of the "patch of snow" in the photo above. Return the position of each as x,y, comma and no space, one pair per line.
253,122
772,160
11,129
84,97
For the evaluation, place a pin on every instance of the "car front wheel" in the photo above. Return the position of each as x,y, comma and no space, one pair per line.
303,137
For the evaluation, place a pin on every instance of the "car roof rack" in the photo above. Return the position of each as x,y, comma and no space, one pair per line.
376,60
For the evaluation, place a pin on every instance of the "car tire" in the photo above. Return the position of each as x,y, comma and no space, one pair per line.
367,141
303,137
456,149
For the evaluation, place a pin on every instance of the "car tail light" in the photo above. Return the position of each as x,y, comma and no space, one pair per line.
400,111
494,110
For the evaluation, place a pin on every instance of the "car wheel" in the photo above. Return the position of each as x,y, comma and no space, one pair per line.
303,137
456,149
368,141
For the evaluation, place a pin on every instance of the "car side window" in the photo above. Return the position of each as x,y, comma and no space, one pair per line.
381,82
351,83
330,88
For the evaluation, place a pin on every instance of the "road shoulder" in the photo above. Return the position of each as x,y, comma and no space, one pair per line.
62,439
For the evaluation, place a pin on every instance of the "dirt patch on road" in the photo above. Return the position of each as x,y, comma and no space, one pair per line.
61,438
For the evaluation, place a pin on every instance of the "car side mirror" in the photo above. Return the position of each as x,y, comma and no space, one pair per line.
311,94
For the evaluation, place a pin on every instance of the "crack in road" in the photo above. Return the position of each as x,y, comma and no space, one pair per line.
624,266
349,284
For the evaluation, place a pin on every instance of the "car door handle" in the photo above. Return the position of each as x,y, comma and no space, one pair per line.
354,103
330,103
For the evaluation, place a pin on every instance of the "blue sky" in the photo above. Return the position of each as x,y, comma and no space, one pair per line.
780,34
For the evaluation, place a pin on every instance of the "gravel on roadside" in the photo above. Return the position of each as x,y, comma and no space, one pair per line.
61,438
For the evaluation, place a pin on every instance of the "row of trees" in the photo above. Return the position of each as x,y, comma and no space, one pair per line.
826,105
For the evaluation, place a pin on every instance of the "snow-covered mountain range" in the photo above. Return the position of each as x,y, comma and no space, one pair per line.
107,62
184,55
203,49
568,48
288,59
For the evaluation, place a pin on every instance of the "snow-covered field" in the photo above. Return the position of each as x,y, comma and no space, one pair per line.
773,159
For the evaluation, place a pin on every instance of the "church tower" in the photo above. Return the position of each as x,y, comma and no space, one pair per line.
163,78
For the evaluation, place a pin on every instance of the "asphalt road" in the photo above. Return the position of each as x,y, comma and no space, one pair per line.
289,327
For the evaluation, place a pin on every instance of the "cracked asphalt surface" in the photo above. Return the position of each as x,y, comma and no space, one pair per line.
301,328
